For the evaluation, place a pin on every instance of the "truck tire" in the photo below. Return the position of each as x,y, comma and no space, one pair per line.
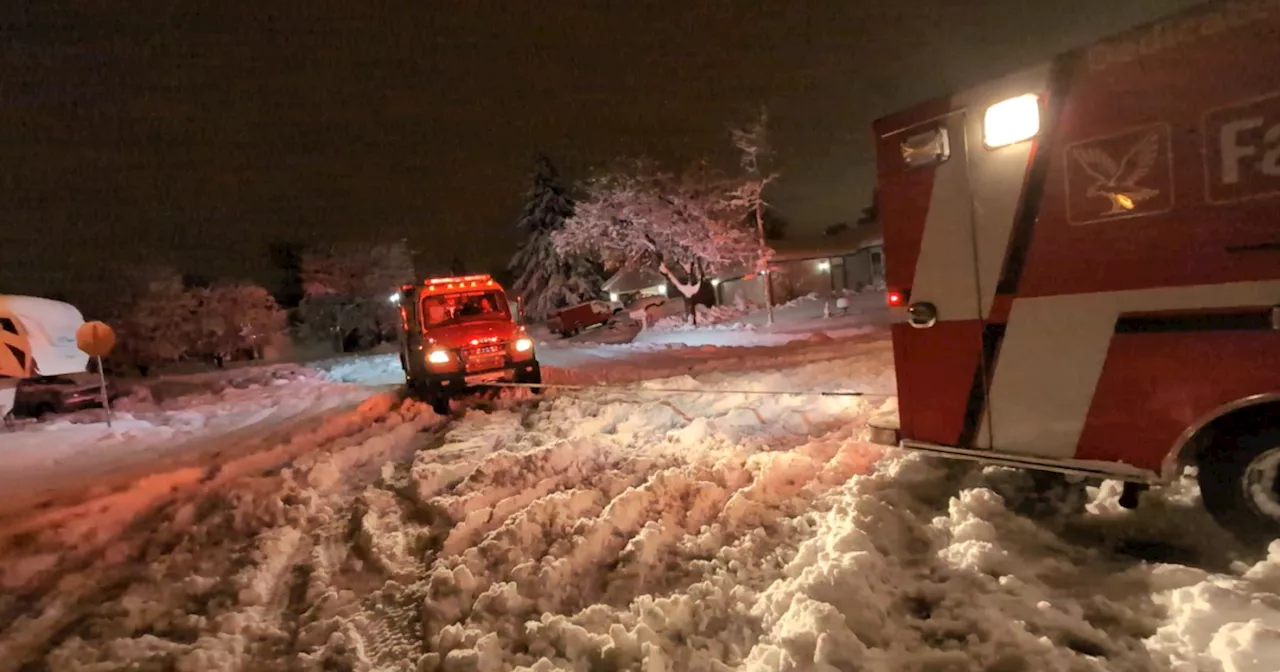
1239,476
534,378
439,401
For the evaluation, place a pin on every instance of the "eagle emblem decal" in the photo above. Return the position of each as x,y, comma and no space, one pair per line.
1124,175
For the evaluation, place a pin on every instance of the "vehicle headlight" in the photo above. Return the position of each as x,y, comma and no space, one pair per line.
1010,121
438,357
524,345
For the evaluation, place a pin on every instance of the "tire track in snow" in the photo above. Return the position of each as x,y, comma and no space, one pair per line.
220,571
585,507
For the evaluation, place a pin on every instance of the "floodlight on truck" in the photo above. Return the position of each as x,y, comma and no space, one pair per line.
1011,121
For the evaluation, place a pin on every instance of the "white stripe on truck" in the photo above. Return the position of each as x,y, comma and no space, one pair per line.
1054,348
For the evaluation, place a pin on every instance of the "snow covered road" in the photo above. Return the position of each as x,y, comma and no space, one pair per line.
624,530
175,422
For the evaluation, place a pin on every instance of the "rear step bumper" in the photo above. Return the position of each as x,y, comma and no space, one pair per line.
890,436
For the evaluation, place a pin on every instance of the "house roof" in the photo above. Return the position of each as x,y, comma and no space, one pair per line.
819,247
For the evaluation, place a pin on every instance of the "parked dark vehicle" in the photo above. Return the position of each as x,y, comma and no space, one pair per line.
573,319
38,397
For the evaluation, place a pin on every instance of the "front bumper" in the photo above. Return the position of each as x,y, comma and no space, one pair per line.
456,382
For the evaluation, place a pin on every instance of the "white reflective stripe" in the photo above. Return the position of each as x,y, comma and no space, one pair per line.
997,177
1053,351
944,274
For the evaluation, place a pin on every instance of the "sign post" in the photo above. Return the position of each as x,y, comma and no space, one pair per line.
96,339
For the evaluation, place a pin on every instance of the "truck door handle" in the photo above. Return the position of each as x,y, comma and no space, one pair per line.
922,315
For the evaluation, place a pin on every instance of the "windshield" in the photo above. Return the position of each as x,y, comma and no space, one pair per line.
464,307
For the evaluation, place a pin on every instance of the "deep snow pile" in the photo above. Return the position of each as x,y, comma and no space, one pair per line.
632,530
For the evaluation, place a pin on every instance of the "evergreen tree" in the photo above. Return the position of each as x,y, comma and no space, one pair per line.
545,278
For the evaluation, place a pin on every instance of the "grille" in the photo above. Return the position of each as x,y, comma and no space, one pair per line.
484,357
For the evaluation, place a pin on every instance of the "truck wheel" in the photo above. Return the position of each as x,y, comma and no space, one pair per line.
534,378
1240,482
439,401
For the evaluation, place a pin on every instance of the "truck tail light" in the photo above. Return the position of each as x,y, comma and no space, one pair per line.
438,357
895,299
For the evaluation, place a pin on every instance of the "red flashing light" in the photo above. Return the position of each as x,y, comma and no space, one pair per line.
895,298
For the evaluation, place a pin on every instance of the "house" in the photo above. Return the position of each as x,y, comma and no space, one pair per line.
847,259
630,282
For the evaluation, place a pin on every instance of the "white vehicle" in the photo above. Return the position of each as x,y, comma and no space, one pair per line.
37,338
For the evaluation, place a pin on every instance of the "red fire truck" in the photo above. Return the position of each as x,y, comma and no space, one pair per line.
459,333
1085,260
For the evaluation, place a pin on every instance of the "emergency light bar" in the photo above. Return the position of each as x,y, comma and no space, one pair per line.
485,278
460,282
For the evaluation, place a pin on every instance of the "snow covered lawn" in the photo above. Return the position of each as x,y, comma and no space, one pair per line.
625,529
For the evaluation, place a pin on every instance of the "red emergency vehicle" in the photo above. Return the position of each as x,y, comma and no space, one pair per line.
1085,257
458,333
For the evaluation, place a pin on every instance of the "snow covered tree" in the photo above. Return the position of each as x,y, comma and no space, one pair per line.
346,290
156,326
686,225
235,318
752,142
169,320
546,278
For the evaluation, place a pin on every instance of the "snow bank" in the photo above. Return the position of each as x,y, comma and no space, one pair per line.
372,370
157,422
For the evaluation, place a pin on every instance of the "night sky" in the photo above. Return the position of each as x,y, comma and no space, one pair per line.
195,134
